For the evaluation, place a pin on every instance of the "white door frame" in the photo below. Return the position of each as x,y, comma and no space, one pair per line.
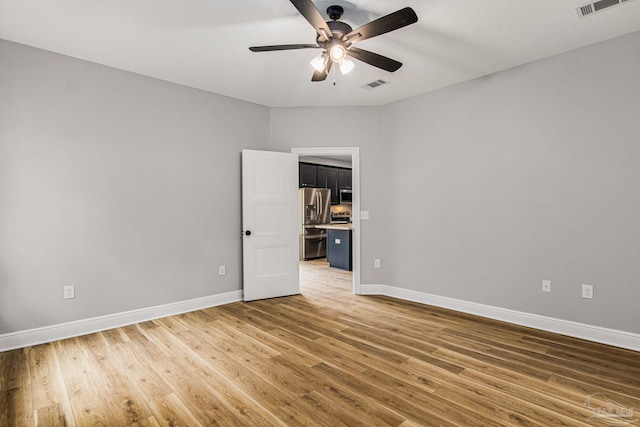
354,152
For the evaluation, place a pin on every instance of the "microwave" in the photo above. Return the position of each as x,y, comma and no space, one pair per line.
345,197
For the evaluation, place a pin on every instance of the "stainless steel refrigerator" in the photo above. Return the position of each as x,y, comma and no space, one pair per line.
315,209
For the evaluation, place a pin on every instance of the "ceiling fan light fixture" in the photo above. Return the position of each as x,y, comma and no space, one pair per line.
334,37
346,65
319,62
337,53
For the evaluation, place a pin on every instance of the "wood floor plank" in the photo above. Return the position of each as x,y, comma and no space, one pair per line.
89,401
99,397
73,357
570,367
587,389
114,336
202,401
247,373
275,342
247,411
324,406
347,400
169,411
50,416
126,402
327,354
386,394
16,404
134,364
322,358
298,309
12,367
175,350
288,407
47,383
16,407
248,342
568,409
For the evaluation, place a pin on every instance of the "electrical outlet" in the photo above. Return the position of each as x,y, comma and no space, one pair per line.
69,292
222,270
587,291
376,263
546,286
364,215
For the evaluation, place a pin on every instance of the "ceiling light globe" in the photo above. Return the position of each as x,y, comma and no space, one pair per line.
346,65
319,63
337,53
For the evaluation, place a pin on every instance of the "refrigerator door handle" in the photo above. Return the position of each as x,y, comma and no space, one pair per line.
316,237
318,205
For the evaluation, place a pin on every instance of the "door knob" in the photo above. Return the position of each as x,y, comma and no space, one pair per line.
247,233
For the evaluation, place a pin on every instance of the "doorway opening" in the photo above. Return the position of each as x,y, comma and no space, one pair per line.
340,157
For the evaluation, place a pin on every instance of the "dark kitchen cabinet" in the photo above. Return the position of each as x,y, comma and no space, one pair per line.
321,176
328,178
308,175
344,178
339,249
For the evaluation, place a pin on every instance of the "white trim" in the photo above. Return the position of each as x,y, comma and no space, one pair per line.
327,161
60,331
354,152
598,334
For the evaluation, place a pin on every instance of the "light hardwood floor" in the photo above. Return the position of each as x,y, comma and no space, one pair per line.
323,358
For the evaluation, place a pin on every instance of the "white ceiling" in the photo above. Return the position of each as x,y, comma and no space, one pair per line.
204,43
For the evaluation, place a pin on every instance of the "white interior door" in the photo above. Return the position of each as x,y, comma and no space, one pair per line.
269,224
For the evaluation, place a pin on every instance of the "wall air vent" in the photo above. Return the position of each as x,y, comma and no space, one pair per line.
597,6
375,84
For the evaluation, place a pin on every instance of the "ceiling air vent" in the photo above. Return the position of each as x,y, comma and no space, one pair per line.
375,84
597,6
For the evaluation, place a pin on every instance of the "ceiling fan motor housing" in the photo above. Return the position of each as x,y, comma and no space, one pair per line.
338,31
339,27
335,12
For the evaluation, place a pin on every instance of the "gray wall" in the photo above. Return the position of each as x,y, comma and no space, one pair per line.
128,187
525,175
124,186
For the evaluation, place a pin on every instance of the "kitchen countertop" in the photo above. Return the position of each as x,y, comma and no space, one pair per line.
337,226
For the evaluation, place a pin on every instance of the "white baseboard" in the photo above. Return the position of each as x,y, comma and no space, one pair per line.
598,334
46,334
60,331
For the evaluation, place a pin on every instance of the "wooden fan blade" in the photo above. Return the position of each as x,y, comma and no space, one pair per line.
283,47
374,59
393,21
313,16
319,76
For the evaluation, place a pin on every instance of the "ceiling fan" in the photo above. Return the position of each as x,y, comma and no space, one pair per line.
336,39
